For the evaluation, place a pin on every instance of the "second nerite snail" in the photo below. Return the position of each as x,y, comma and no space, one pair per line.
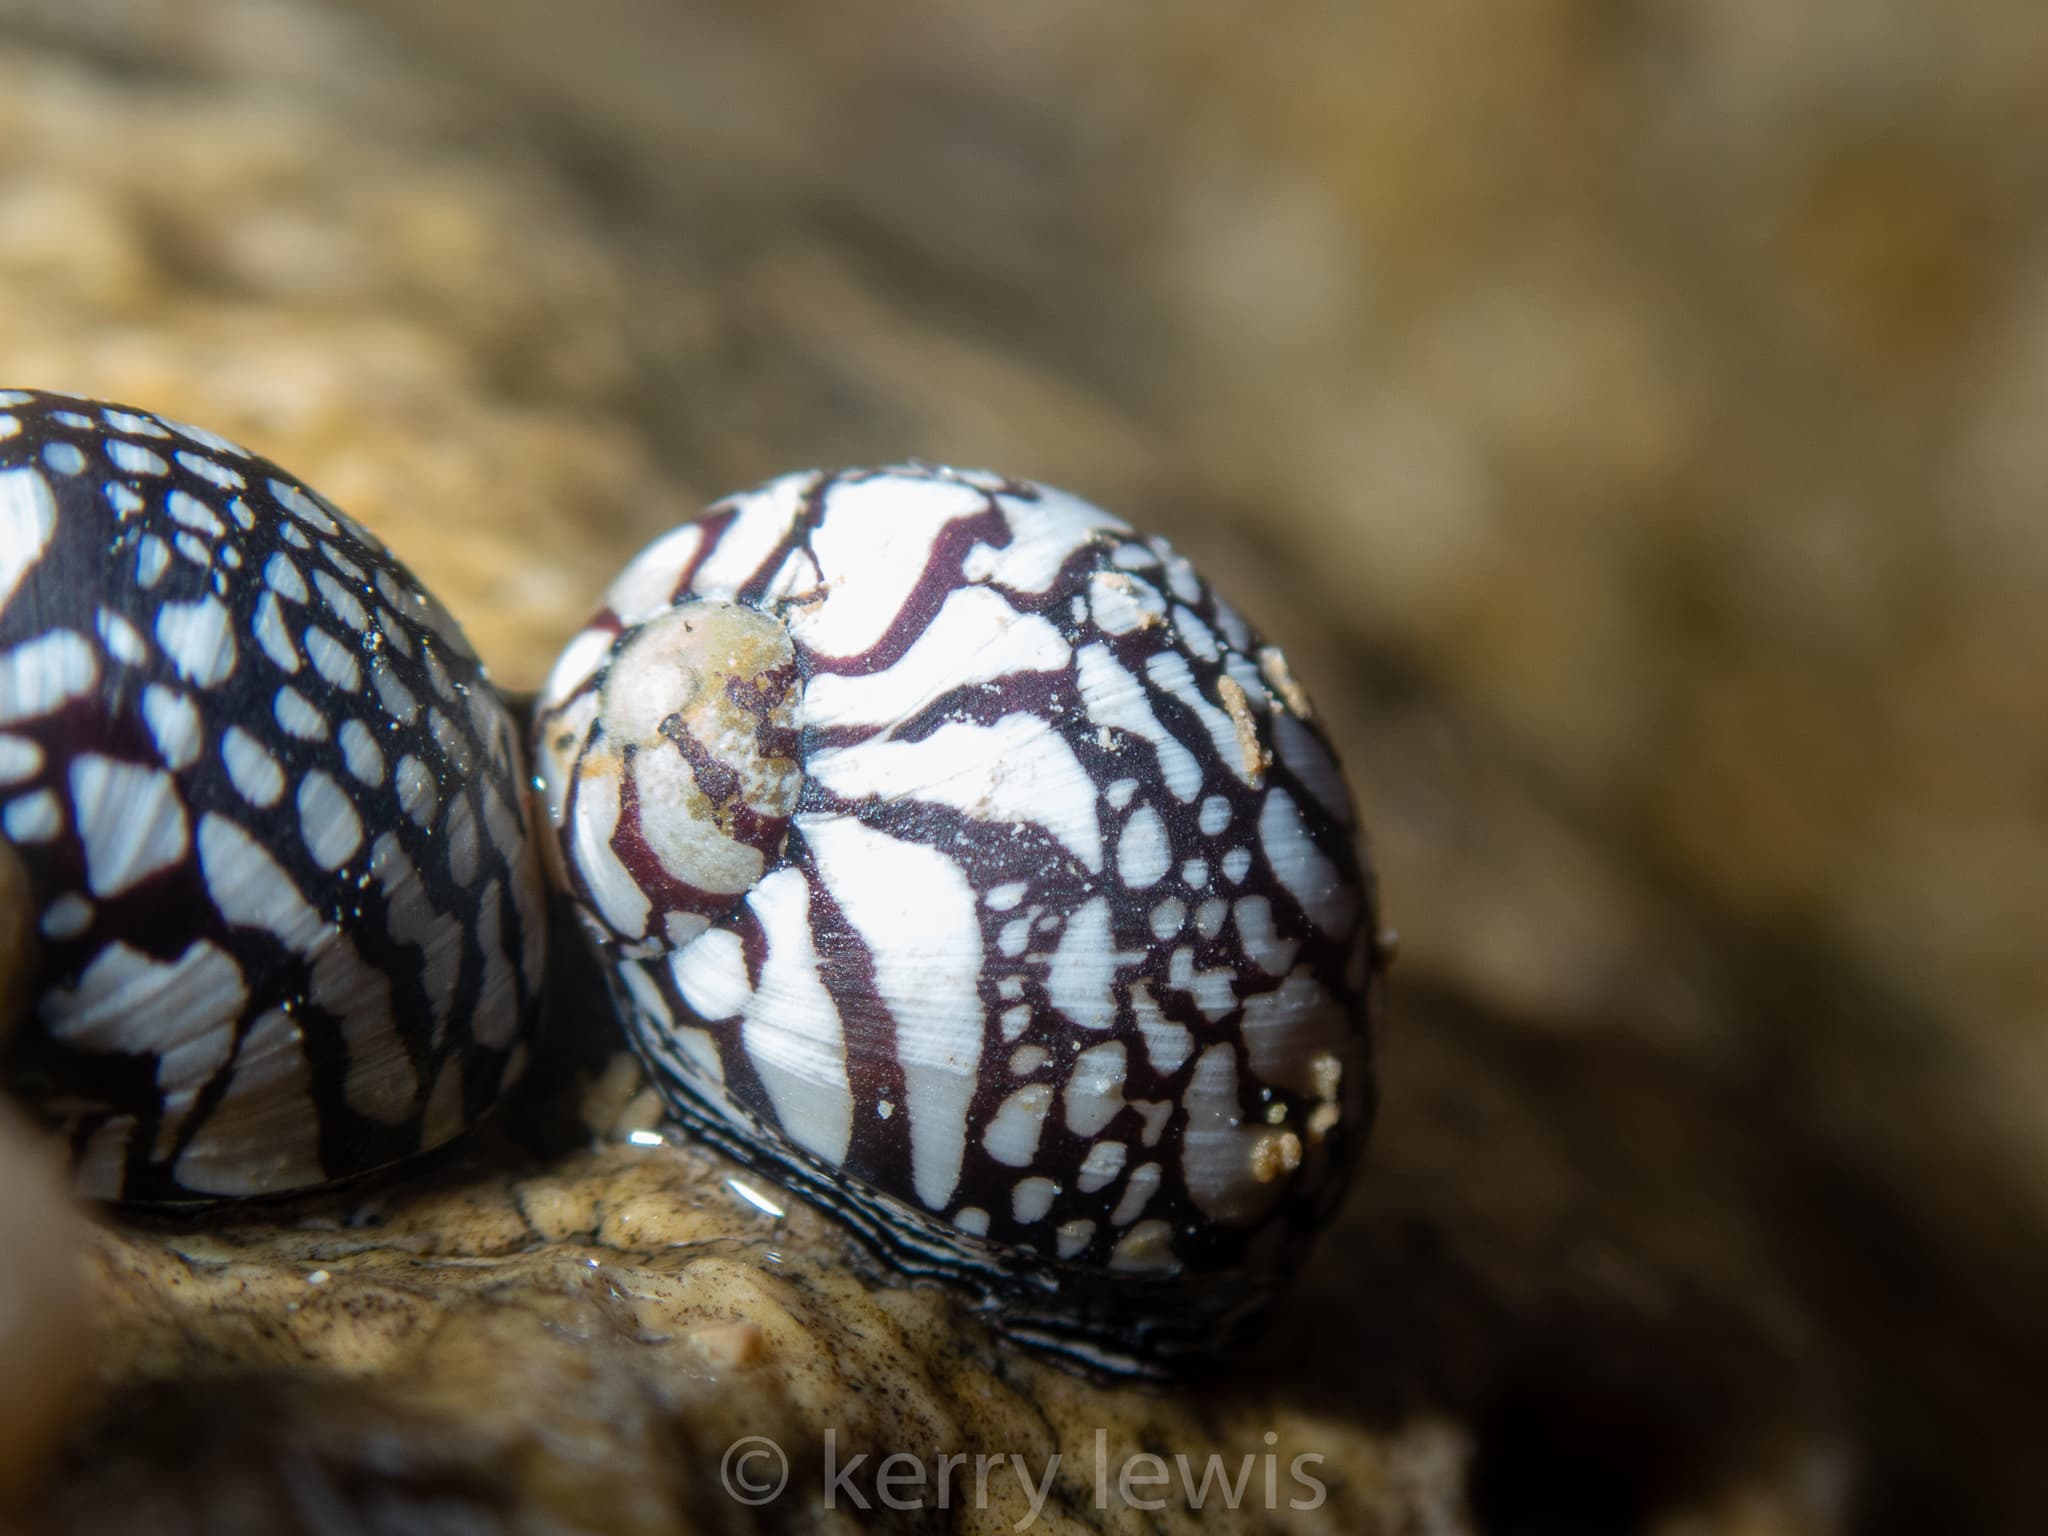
959,857
269,814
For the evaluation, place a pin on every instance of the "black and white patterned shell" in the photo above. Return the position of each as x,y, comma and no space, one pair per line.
960,858
270,811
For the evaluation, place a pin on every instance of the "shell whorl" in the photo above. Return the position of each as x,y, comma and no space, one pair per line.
1057,972
290,922
686,772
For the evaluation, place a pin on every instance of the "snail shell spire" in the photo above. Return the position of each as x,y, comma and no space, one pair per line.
686,775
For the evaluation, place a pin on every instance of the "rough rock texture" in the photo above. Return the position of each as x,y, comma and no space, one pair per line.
525,1335
250,216
1625,416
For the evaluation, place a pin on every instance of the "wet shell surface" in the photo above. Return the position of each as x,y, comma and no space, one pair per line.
287,920
959,857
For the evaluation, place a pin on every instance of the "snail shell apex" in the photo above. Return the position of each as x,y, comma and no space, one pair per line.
269,809
698,716
960,858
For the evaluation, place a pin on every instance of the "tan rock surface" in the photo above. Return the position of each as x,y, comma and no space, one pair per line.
285,254
584,1339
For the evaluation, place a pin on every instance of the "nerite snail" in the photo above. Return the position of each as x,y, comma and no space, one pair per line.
289,921
960,858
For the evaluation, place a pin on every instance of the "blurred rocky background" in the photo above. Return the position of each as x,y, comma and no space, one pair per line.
1633,417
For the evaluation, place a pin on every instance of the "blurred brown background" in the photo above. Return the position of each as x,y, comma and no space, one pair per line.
1633,416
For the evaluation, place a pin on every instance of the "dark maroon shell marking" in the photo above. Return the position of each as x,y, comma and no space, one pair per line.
290,924
1060,983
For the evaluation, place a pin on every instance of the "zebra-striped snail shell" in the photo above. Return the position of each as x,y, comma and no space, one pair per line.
959,858
288,922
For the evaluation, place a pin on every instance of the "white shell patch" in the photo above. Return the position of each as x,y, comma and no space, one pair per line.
1016,770
199,639
975,638
914,909
28,516
45,673
868,562
130,819
791,1031
124,1001
259,1139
